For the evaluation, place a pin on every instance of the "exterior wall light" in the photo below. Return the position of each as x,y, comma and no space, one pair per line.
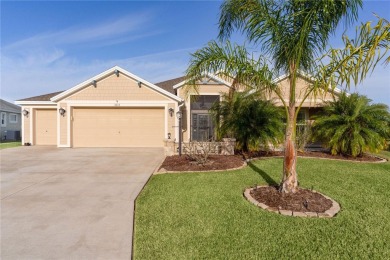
62,111
139,84
94,83
170,111
116,73
25,112
169,135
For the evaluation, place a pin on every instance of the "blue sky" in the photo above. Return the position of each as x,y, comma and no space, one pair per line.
48,46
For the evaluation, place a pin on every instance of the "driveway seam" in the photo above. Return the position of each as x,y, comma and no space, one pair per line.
28,187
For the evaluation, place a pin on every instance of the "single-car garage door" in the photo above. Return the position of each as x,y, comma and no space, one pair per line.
45,126
118,127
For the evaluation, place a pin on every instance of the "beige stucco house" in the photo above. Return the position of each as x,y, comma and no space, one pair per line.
119,109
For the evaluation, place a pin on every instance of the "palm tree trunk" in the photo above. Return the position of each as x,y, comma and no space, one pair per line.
290,179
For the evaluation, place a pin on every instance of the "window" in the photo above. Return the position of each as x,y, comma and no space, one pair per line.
3,119
13,118
301,118
202,128
203,102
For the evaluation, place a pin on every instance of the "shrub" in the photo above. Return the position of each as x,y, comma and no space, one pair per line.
351,125
252,121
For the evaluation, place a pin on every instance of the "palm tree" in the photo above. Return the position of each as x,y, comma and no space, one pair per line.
251,121
351,125
293,33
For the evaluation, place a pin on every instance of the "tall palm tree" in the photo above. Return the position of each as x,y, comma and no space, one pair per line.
351,125
251,121
293,34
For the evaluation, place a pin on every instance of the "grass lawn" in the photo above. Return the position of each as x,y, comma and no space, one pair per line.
205,216
9,144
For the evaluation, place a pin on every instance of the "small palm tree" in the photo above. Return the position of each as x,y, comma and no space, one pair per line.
351,125
252,121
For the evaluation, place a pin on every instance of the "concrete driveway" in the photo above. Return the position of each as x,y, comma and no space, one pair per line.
59,203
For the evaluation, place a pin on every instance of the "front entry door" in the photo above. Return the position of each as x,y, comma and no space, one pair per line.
202,127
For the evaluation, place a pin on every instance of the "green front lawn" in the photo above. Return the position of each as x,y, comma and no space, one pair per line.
205,216
9,144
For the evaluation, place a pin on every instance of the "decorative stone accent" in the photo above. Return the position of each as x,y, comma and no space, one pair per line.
327,214
228,145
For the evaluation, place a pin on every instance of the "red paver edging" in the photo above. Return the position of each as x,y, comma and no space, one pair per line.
327,214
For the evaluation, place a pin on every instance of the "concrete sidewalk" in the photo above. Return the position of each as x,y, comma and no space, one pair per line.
61,203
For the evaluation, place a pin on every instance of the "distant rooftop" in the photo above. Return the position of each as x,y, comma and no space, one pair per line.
9,107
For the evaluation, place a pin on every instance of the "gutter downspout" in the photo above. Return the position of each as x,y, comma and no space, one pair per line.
180,126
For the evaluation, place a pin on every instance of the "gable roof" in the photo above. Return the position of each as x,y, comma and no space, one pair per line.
308,77
168,84
9,107
112,71
211,76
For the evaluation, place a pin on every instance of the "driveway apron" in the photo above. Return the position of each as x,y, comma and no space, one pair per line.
61,203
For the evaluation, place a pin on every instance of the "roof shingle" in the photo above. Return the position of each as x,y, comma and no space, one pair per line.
45,97
168,84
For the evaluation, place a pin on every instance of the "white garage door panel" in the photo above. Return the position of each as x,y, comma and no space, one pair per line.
118,127
45,126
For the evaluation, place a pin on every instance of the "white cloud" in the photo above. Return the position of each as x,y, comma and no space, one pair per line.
40,64
107,30
49,74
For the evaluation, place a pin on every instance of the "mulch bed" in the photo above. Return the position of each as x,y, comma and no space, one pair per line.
302,201
364,158
225,162
216,162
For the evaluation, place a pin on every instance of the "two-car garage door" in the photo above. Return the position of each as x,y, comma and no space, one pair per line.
117,127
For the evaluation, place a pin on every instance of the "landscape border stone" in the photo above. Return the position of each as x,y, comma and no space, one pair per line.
327,214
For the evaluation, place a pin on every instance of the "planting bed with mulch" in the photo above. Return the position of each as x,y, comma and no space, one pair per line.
327,155
302,201
216,162
226,162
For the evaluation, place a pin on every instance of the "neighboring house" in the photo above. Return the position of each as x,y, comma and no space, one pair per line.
10,120
118,109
